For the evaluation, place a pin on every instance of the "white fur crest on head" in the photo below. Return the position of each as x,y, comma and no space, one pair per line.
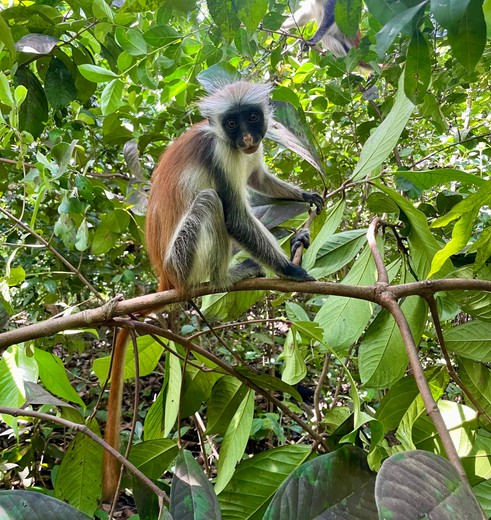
232,95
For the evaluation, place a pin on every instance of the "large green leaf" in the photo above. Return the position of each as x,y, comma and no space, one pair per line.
468,39
477,379
251,12
229,306
256,480
383,140
54,376
343,320
418,484
226,396
333,486
382,356
59,85
225,16
29,505
448,13
235,441
33,114
192,496
154,457
418,68
79,478
471,340
431,178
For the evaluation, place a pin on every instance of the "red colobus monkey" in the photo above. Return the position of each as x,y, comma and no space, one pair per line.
198,206
328,33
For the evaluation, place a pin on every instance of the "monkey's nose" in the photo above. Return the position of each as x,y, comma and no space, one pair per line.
248,140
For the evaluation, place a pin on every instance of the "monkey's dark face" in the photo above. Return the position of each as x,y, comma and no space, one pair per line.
244,128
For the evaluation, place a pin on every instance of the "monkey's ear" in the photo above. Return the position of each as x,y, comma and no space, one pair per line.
215,77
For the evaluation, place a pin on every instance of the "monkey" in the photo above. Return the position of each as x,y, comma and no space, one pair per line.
198,207
322,11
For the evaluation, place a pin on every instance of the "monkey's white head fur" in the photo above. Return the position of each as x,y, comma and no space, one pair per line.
233,95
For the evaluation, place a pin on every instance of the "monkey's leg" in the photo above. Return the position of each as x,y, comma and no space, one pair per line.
202,249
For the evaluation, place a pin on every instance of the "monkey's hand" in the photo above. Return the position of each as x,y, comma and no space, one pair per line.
297,274
301,238
314,199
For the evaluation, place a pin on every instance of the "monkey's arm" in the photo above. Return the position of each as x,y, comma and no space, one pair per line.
300,17
326,24
268,184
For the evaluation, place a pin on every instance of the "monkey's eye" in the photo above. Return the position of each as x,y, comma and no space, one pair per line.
231,124
254,117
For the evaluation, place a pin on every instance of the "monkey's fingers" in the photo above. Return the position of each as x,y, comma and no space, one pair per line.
301,238
314,199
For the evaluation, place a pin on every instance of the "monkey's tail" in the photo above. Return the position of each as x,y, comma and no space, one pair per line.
111,467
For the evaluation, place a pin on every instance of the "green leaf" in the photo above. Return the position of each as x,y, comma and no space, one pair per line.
102,11
404,392
335,485
403,21
154,457
33,113
471,340
251,12
226,396
159,36
419,484
82,236
383,140
96,74
382,357
5,92
334,217
235,441
343,320
21,504
131,40
225,17
192,495
229,306
448,13
54,377
347,14
149,352
112,97
197,387
418,68
154,419
59,86
256,480
477,380
269,382
294,369
431,178
79,478
7,39
466,211
469,38
337,251
173,375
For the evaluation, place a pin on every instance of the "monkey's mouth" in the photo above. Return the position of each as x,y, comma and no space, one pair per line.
250,149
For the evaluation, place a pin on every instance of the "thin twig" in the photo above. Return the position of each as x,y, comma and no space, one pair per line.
82,428
318,390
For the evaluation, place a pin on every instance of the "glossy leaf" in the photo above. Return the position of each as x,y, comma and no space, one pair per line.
192,496
36,43
471,340
229,306
428,179
448,13
343,320
154,457
235,441
251,12
418,68
59,86
347,14
256,480
34,110
335,485
20,505
226,396
225,17
416,484
469,38
382,141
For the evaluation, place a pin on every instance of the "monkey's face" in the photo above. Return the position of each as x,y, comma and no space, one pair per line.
244,127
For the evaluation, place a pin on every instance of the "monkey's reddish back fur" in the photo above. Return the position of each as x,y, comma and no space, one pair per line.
166,205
